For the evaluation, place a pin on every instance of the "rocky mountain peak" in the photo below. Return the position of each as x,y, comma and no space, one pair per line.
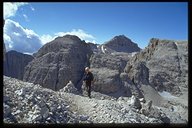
61,44
69,37
121,37
122,44
58,62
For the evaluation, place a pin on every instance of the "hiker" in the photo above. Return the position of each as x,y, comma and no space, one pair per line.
88,78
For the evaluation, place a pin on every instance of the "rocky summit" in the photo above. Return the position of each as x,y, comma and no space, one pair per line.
58,62
131,85
122,44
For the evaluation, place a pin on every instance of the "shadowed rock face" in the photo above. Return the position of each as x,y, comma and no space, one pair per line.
58,62
4,51
15,63
106,69
166,61
93,47
122,44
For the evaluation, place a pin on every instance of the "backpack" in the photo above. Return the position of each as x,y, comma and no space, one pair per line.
92,78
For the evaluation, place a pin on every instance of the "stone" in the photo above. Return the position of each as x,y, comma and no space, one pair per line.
146,108
83,118
142,100
42,104
106,80
44,112
6,99
165,119
38,118
139,73
70,88
17,112
6,111
135,102
13,118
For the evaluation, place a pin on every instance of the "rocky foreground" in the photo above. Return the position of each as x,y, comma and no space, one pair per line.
28,103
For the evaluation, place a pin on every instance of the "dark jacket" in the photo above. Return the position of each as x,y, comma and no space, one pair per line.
88,78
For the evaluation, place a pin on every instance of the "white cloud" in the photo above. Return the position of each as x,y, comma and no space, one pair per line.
79,32
10,8
16,34
32,8
26,17
27,41
20,39
46,38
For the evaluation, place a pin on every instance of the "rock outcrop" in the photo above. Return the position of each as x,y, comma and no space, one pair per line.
107,69
59,61
15,63
94,47
161,66
70,88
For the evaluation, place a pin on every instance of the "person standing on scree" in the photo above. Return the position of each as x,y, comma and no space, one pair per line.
88,78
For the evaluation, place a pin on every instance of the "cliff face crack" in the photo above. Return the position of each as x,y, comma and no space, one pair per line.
86,64
29,72
57,78
178,60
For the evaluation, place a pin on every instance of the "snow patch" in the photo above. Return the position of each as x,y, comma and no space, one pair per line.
102,49
166,95
132,54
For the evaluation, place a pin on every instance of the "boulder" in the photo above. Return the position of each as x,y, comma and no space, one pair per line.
135,102
106,80
106,69
138,73
70,88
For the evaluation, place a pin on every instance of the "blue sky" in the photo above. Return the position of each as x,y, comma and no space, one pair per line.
95,22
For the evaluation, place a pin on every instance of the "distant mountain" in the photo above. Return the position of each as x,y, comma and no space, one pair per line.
15,63
122,44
